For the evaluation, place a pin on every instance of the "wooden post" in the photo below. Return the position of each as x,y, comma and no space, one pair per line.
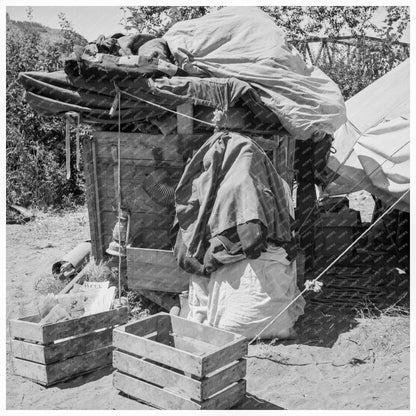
92,195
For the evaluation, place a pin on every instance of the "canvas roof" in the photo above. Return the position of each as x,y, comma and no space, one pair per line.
372,149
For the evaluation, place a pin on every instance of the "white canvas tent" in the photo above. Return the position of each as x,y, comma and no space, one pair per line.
372,149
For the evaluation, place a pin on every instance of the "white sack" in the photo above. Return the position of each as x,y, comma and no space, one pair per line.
244,296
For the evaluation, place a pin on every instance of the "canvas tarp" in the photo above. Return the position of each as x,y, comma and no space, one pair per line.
372,149
236,56
245,43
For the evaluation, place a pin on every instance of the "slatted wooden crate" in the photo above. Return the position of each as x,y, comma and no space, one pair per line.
51,353
172,363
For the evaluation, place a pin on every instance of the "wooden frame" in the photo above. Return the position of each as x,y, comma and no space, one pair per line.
51,353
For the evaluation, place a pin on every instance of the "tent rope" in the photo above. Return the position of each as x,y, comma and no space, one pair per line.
311,284
119,192
162,107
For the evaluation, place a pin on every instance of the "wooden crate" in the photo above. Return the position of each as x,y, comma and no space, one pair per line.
157,270
51,353
172,363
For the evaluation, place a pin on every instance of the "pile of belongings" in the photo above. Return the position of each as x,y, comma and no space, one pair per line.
233,57
86,299
234,213
234,235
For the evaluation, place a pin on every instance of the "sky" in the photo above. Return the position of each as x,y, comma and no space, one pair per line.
88,21
92,21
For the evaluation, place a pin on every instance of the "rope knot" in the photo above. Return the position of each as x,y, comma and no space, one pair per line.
313,285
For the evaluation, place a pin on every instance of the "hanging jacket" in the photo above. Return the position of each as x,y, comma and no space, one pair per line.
230,183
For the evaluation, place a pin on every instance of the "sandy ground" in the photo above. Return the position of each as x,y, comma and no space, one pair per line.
339,361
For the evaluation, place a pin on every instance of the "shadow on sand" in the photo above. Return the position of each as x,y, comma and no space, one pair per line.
252,402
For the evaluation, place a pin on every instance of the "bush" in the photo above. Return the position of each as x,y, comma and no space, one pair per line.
35,149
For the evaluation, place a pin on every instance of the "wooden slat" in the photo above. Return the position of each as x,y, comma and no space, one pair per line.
31,370
164,399
138,146
223,378
53,332
141,327
86,362
28,351
151,394
91,198
191,345
227,398
63,370
229,353
153,256
26,329
155,374
181,384
155,351
156,270
213,336
57,352
96,185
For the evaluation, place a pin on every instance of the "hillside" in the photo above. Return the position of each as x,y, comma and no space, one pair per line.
47,35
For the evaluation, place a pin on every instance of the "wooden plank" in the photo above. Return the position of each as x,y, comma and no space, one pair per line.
57,352
156,374
141,327
213,336
229,353
157,278
79,364
91,196
96,188
227,398
151,394
28,351
63,370
153,256
25,329
155,351
34,371
191,345
155,270
138,146
222,378
53,332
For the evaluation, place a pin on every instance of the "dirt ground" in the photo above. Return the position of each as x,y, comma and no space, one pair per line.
338,361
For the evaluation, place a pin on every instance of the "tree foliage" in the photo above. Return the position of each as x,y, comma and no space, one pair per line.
35,154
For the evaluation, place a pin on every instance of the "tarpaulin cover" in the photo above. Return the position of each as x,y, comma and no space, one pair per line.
373,146
233,55
245,43
230,181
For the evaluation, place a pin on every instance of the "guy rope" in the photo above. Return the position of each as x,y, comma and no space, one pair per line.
314,284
